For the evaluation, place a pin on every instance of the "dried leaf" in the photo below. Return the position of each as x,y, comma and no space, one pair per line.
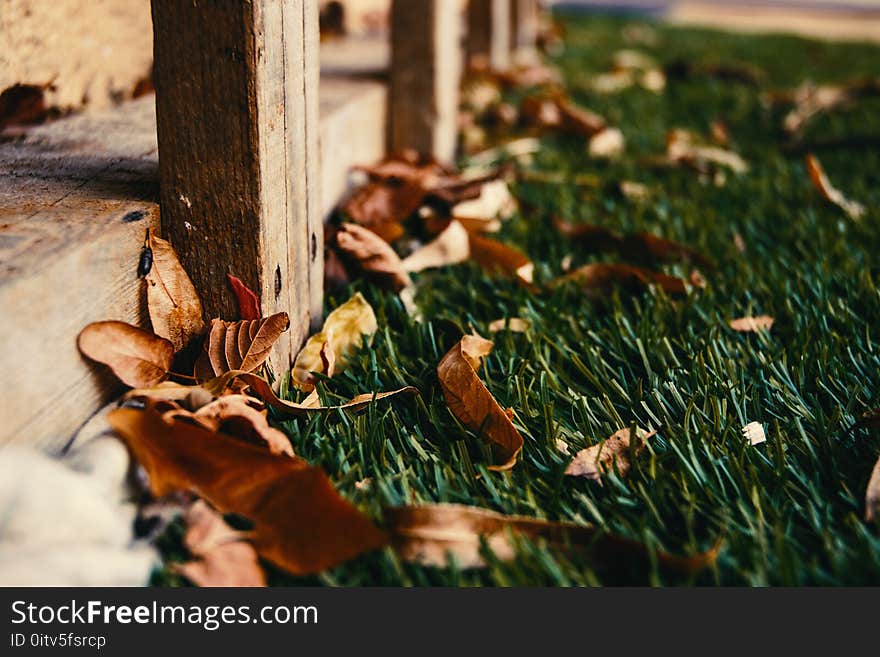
683,147
513,324
607,144
595,461
374,256
495,256
752,324
248,301
174,305
220,386
300,522
346,329
872,495
243,345
472,403
820,182
495,202
450,247
580,120
234,416
429,534
599,279
137,357
382,207
223,558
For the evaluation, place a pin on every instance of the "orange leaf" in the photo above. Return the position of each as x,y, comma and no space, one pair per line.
472,403
300,522
599,279
496,256
137,357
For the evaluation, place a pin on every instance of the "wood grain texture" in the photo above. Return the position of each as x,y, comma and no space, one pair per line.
425,76
489,32
76,199
524,16
237,110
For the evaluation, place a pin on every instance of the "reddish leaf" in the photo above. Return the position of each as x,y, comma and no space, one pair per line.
248,301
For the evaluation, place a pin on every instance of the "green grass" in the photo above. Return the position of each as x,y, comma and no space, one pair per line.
791,509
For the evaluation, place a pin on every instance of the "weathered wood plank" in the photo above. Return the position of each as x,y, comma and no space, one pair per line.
425,76
237,99
489,32
524,17
77,198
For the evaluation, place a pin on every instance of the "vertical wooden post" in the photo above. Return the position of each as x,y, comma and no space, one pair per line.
524,15
489,32
425,76
237,109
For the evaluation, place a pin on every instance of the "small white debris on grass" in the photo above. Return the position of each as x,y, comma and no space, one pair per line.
754,433
562,446
607,144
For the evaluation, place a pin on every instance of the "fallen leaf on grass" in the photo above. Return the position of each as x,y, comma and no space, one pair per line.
595,461
374,256
599,279
137,357
383,207
752,324
513,324
174,306
607,144
346,330
235,416
820,181
223,557
495,256
248,301
429,534
300,523
243,345
684,147
754,433
450,247
472,403
872,495
495,202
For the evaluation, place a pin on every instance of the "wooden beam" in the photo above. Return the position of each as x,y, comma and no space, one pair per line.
524,15
237,113
425,76
489,32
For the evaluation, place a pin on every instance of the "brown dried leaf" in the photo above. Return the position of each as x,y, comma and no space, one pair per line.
872,495
579,120
684,147
300,522
599,279
223,558
235,416
346,329
383,207
495,256
595,461
137,357
428,534
174,306
374,256
820,181
472,403
752,324
243,345
450,247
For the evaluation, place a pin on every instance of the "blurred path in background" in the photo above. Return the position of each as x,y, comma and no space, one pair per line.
828,19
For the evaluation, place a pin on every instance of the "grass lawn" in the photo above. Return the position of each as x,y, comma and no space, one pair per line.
790,510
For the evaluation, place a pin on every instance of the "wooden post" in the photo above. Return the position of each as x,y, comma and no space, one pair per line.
425,76
237,115
524,16
489,32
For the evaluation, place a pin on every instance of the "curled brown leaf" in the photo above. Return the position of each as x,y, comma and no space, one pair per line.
138,358
174,306
374,256
472,403
243,345
595,461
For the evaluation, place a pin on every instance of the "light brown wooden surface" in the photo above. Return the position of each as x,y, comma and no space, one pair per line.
237,99
76,198
68,256
489,31
425,76
524,26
